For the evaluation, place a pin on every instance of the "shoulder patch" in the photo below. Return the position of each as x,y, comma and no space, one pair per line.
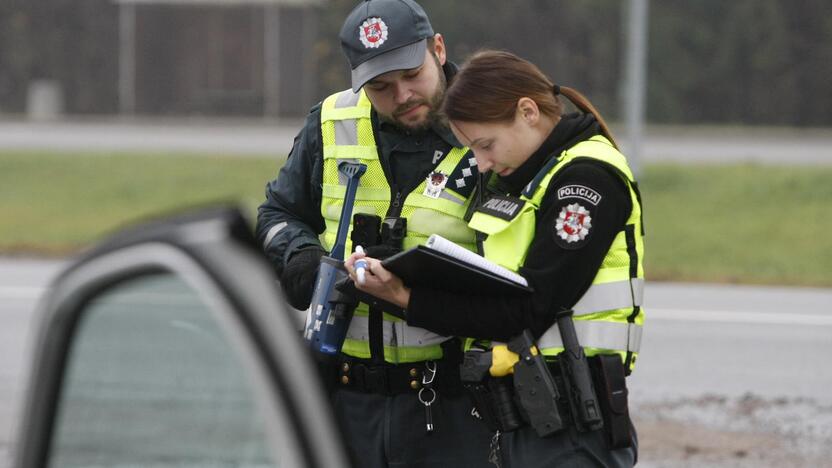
464,177
572,226
581,192
502,206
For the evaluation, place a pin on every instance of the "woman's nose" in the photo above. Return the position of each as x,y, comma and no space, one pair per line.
483,163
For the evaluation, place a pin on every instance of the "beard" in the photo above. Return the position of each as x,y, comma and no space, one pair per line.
434,103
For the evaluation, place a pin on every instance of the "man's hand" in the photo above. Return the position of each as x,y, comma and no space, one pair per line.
379,281
298,278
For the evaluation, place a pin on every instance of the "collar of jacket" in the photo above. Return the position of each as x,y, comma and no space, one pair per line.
571,129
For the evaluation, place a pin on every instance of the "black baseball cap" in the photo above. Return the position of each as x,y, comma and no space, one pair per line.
384,35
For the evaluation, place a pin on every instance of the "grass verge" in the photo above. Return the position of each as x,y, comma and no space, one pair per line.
54,204
739,224
728,223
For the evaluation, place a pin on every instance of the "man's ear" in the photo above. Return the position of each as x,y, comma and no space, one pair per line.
527,110
439,48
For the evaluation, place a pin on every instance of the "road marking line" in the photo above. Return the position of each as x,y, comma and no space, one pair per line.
727,316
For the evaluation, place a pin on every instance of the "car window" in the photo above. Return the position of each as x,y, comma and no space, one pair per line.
152,380
170,345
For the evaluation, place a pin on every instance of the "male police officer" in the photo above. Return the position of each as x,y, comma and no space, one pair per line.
396,388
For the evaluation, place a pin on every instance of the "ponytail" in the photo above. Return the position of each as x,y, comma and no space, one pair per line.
581,102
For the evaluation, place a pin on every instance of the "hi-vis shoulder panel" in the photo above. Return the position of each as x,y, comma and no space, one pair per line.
502,213
502,206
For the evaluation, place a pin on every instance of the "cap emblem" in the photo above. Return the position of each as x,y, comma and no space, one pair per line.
373,33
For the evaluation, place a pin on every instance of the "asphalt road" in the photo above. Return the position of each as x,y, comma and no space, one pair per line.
733,340
263,138
705,346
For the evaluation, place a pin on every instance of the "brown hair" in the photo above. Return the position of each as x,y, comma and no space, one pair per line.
490,82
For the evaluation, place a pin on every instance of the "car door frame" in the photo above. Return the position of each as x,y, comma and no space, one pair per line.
215,252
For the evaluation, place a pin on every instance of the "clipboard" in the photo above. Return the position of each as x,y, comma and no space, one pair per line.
424,266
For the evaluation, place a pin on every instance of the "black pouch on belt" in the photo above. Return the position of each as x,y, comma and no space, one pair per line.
611,387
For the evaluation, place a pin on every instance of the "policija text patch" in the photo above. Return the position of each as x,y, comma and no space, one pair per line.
501,206
579,191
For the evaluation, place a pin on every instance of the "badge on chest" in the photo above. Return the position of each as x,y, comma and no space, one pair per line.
434,184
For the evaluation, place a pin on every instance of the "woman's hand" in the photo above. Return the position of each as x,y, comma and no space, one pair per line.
378,281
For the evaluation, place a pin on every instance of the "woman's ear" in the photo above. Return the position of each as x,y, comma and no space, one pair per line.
527,110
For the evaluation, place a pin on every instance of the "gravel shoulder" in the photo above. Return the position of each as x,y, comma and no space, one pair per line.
749,431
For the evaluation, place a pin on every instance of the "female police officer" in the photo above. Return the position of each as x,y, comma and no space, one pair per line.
577,238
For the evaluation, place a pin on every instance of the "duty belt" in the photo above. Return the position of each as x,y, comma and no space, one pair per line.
389,379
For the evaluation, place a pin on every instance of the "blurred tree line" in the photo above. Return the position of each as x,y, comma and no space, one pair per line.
710,61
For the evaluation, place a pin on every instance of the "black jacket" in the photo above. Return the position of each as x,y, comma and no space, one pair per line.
560,273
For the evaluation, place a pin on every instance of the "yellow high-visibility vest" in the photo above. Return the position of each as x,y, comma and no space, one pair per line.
347,135
609,316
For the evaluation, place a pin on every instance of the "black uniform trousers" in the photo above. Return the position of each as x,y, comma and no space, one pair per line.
523,448
388,431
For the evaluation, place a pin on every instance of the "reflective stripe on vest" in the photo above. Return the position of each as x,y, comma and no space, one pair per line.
609,296
608,317
395,333
347,135
597,334
402,343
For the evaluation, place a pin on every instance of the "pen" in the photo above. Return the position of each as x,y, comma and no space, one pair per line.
360,266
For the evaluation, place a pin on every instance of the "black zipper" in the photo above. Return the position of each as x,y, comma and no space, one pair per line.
395,209
396,202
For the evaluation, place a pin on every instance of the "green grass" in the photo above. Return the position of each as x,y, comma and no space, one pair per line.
740,224
58,203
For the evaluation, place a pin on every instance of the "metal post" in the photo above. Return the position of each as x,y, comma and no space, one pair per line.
127,58
636,80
